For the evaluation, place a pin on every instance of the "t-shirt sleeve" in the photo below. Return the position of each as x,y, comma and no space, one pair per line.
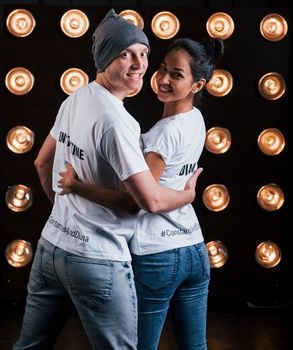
120,147
54,130
162,141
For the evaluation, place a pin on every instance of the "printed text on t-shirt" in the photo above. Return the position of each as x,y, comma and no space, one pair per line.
180,231
72,233
187,168
75,150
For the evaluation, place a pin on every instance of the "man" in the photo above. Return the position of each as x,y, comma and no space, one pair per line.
82,255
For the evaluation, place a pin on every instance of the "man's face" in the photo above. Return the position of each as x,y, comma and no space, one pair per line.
125,73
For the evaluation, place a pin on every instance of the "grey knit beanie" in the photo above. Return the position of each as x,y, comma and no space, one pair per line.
113,35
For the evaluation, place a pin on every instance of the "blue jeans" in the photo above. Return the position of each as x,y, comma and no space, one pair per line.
102,292
177,280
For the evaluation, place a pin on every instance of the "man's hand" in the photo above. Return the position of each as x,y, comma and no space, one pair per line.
191,183
68,178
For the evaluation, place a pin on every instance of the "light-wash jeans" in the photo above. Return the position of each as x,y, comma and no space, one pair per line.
102,292
178,280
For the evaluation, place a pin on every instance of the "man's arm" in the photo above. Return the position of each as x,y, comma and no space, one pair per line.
44,166
154,198
124,202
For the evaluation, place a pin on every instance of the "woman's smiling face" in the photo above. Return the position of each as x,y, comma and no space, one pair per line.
174,77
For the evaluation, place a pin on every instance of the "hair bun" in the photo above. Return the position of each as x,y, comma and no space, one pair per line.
215,47
218,47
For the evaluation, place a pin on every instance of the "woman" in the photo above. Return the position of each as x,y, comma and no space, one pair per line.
170,261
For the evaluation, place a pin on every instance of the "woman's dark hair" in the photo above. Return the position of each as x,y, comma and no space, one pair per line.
203,56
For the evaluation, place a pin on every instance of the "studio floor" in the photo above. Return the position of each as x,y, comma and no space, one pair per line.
241,328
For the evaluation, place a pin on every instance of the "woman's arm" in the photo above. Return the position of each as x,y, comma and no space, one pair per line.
123,201
156,164
107,197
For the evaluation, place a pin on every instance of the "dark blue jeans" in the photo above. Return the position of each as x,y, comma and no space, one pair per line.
178,280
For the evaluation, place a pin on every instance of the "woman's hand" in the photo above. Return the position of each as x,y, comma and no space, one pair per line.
68,179
191,182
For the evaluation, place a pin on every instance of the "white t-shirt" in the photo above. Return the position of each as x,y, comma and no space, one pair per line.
95,133
179,140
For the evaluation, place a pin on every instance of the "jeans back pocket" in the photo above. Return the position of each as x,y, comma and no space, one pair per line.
156,271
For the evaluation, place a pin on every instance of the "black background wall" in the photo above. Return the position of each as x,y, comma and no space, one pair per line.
47,53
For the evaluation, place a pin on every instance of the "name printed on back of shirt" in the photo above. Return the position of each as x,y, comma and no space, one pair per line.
74,150
187,168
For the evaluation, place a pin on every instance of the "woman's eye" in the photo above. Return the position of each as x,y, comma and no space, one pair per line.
177,75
